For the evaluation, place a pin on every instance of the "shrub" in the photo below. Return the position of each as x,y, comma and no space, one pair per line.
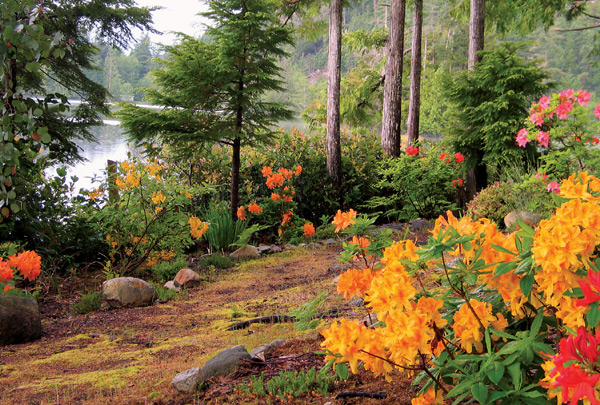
218,260
166,271
423,183
507,317
91,301
493,202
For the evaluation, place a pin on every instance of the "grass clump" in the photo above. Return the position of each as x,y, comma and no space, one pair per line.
167,271
91,301
290,384
163,293
218,260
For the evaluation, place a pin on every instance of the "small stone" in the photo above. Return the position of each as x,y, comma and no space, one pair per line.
172,286
330,241
357,302
302,245
314,245
419,224
187,381
187,278
370,320
289,246
337,268
530,218
20,320
245,252
224,363
335,280
127,292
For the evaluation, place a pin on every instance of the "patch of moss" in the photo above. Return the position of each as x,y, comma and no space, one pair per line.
93,379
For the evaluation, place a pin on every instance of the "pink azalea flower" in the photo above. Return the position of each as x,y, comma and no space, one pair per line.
544,102
564,109
536,119
567,94
583,97
543,138
522,137
553,186
597,111
538,175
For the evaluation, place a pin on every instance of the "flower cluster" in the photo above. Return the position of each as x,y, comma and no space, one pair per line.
26,265
197,227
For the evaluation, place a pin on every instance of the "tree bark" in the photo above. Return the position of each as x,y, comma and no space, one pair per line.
334,61
476,176
476,31
415,74
235,177
391,128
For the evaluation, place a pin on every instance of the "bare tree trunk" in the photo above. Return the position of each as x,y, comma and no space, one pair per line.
235,177
334,62
415,74
476,177
476,31
392,90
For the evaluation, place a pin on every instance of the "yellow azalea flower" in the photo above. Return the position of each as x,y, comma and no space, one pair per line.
466,327
197,227
343,338
158,197
354,282
343,220
429,398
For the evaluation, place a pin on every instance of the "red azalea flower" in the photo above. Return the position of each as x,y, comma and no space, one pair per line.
576,384
459,157
412,151
589,295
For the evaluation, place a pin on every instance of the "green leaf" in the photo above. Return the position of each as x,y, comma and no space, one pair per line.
515,373
537,324
504,268
480,392
495,372
32,67
503,249
593,315
341,370
460,388
527,284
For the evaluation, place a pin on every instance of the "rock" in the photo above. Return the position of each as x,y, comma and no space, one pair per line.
268,249
337,268
187,381
330,241
370,319
419,224
224,363
127,292
314,245
173,285
245,252
302,245
289,246
335,280
263,349
20,320
530,218
357,302
187,278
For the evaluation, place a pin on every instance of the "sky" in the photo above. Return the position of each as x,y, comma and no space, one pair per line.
175,15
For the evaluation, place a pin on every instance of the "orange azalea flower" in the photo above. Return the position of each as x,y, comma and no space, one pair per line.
287,217
28,263
354,282
275,197
429,398
288,198
6,288
309,230
241,213
288,174
255,208
267,171
298,170
6,273
343,220
276,180
197,227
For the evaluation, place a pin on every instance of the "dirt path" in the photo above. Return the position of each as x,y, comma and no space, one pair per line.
129,356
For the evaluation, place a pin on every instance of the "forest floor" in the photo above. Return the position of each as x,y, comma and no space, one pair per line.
130,356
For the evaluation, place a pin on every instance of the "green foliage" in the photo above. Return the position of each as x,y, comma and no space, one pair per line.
489,106
493,202
144,212
166,271
218,260
223,231
421,186
90,301
290,384
305,314
42,41
163,293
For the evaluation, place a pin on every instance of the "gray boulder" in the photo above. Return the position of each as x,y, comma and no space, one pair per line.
314,245
20,320
245,252
529,218
187,381
187,278
127,292
173,285
259,352
224,363
419,224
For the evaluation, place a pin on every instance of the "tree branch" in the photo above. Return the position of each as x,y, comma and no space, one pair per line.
578,29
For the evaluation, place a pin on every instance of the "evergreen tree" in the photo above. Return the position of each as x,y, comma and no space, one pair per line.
214,92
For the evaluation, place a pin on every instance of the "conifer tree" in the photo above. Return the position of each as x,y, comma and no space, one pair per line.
213,91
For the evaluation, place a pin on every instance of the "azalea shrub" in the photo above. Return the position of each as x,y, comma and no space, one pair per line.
146,214
564,130
423,182
477,313
16,268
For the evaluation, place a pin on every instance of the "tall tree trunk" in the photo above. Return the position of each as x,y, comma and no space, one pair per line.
235,176
476,31
415,74
392,90
477,176
334,62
